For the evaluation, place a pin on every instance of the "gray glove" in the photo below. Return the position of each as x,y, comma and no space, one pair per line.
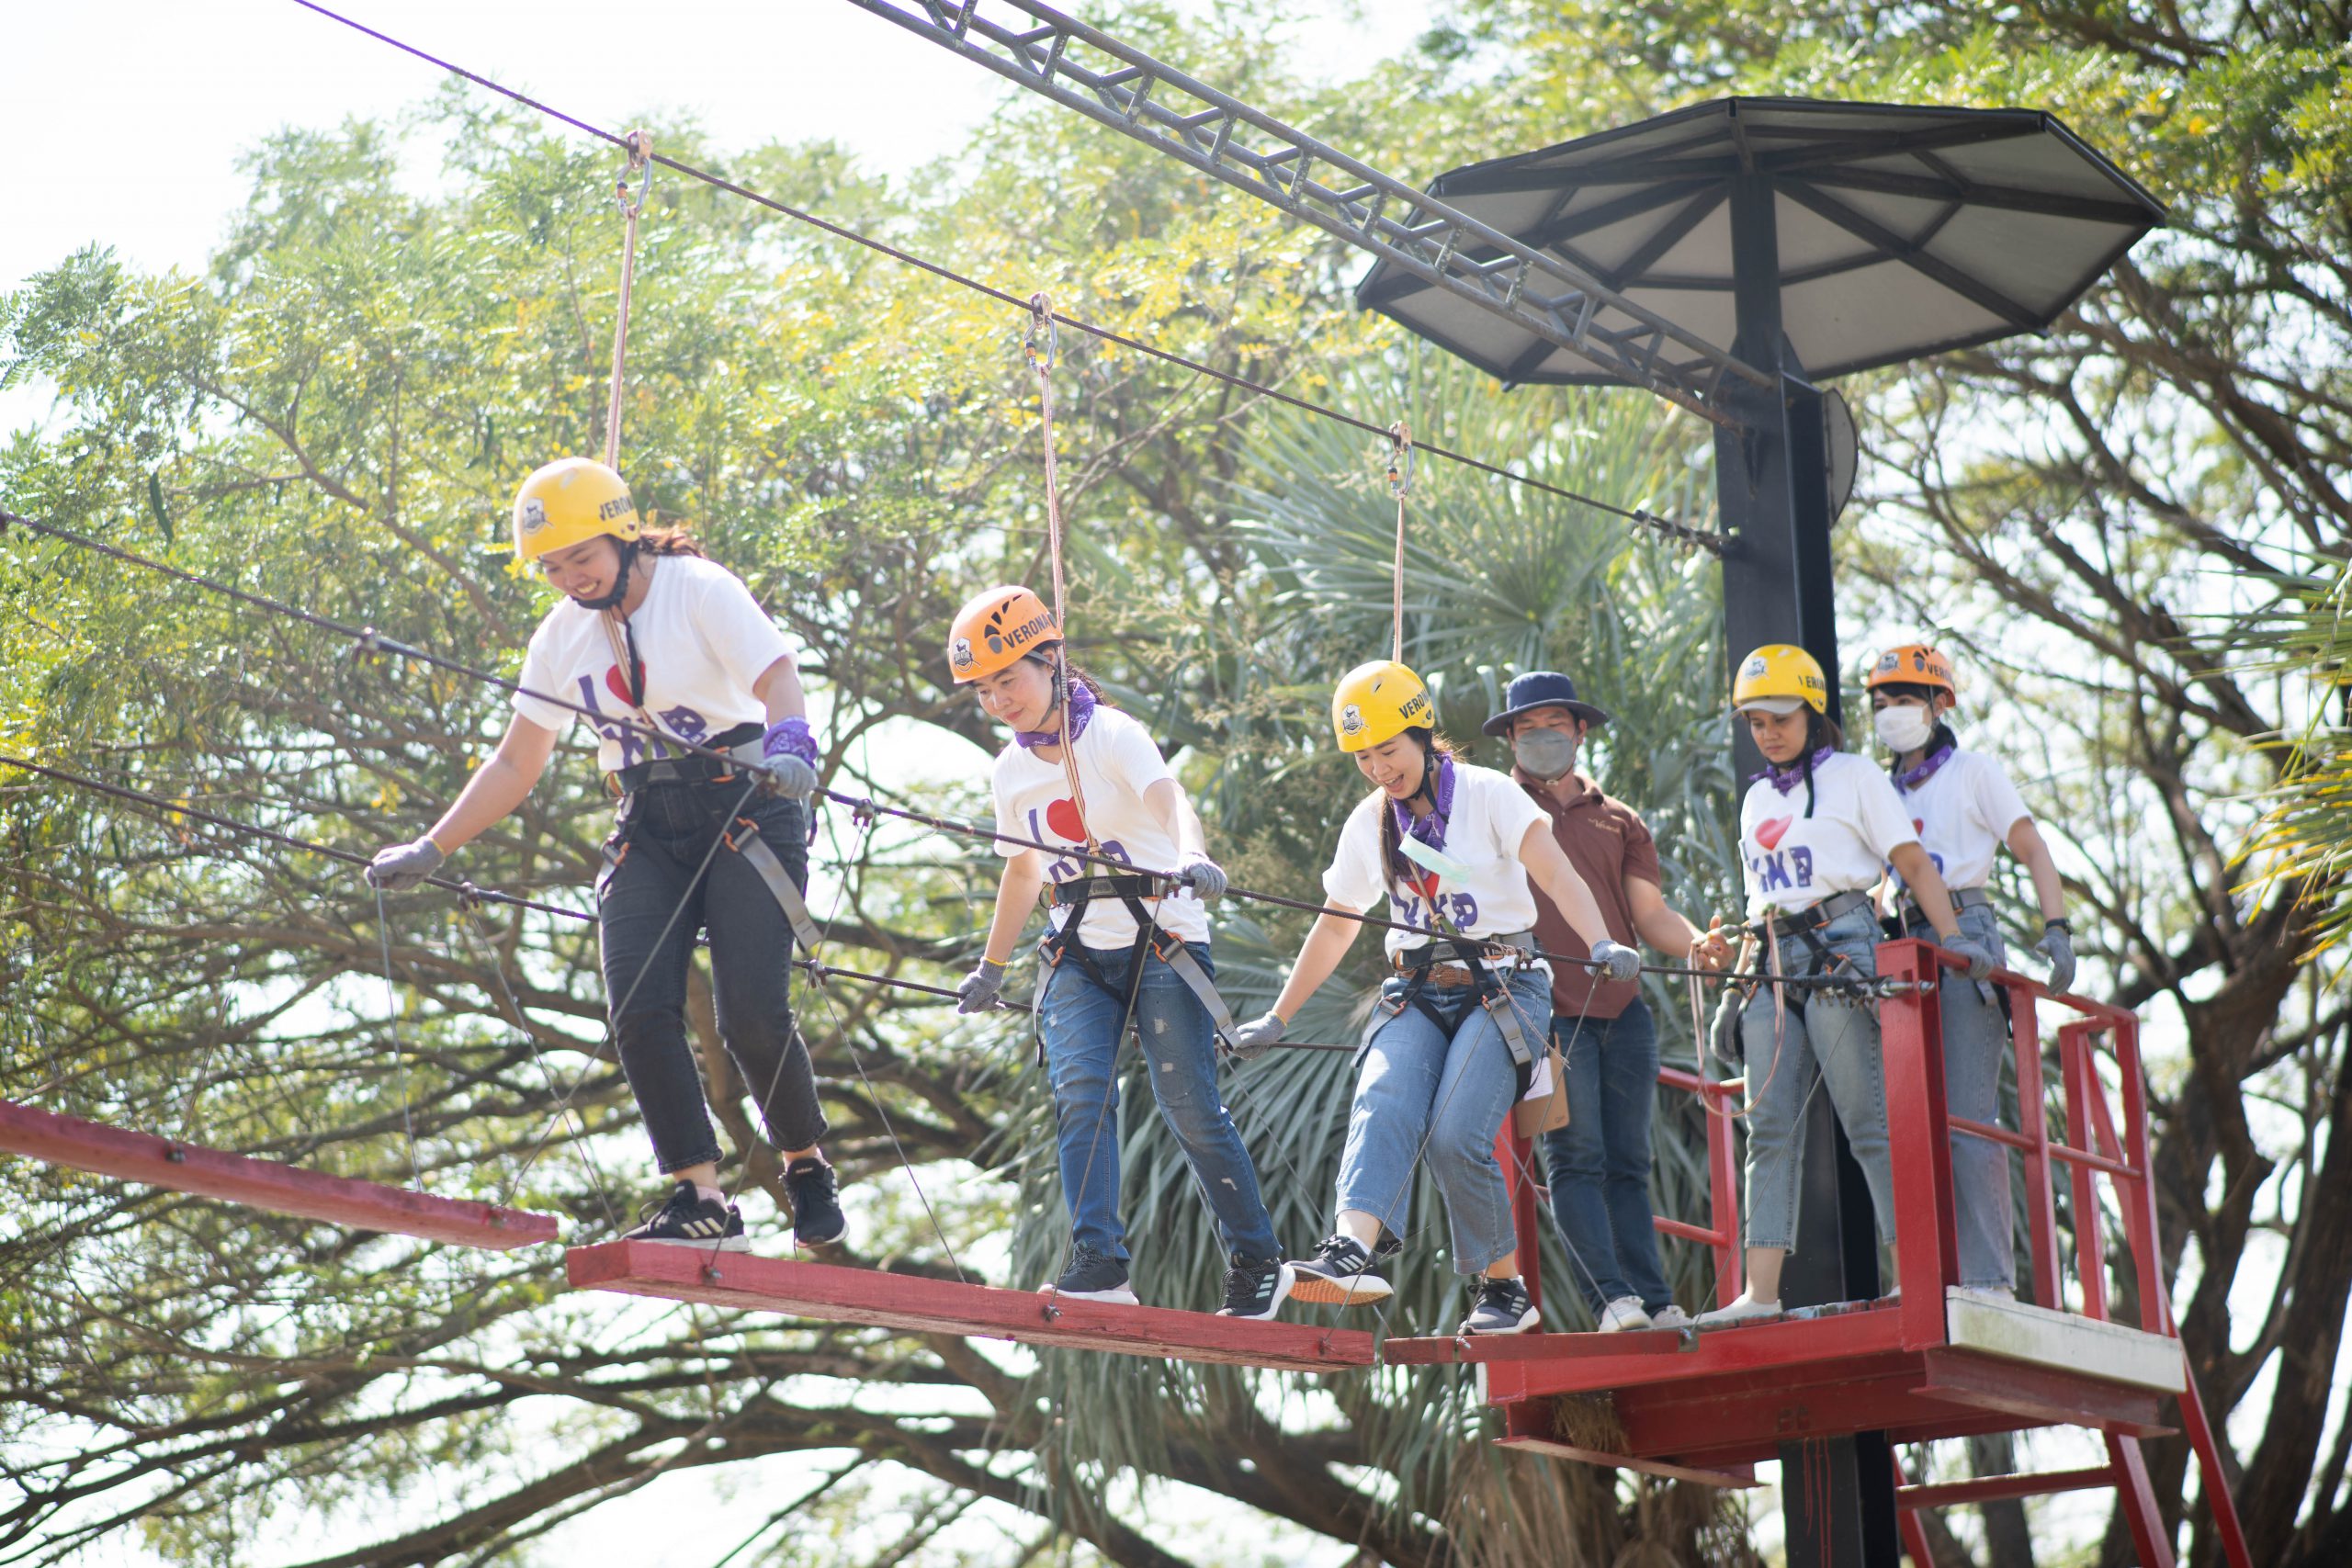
2057,946
1617,960
789,776
977,993
1723,1031
1203,875
1979,961
404,866
1257,1037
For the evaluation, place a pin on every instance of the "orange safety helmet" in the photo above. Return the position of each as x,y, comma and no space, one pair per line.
997,628
1914,664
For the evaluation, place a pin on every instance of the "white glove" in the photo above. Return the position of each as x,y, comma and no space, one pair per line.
404,866
1617,960
1257,1037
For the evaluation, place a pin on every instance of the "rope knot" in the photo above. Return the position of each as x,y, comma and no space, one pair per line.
1043,328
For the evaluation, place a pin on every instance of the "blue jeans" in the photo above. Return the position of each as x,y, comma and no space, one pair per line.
1443,1089
1080,1023
1600,1163
660,838
1976,1037
1817,1040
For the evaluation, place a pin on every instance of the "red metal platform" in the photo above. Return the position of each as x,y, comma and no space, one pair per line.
1933,1362
265,1184
909,1302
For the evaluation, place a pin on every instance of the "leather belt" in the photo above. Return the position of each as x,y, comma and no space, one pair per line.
1964,898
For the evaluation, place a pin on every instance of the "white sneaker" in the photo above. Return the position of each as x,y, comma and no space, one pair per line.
1669,1316
1744,1310
1992,1295
1622,1314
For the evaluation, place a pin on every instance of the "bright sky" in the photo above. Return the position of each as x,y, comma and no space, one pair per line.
130,116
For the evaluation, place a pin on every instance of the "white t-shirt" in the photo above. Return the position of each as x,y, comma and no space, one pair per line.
1963,812
1794,861
1490,821
1117,761
703,637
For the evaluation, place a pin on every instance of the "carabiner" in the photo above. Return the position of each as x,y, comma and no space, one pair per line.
641,163
1400,461
1041,321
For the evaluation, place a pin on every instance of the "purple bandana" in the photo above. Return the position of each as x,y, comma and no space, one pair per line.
1082,708
1429,830
1787,779
1905,782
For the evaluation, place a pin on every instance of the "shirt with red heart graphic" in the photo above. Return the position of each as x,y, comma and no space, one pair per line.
1793,861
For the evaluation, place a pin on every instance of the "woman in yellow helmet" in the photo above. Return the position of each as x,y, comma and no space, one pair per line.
1085,778
648,635
1449,850
1966,810
1815,828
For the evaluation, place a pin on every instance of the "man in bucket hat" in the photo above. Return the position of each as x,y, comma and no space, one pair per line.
1600,1163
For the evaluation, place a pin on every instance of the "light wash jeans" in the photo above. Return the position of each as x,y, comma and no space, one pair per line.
1600,1163
1080,1022
1817,1040
1976,1037
1441,1092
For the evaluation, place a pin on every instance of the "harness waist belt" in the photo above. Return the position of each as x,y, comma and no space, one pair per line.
1821,914
1965,898
1076,893
693,767
1451,954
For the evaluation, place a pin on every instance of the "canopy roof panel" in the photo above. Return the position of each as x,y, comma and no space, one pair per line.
1903,230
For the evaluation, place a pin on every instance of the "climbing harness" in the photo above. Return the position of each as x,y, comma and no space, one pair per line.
1062,942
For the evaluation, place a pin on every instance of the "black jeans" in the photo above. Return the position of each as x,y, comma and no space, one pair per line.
659,839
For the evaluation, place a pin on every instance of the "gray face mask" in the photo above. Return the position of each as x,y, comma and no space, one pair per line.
1546,754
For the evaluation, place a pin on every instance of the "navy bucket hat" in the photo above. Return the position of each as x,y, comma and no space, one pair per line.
1541,689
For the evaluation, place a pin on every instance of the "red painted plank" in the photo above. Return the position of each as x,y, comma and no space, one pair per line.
939,1306
1995,1488
1582,1364
1400,1351
265,1184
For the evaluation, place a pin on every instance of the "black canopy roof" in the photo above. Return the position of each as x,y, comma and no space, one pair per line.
1903,230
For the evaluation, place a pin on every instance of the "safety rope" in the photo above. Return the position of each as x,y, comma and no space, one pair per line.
1673,531
391,1028
1041,360
1400,480
638,145
368,640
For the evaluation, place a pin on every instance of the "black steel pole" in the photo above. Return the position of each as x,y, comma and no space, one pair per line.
1772,481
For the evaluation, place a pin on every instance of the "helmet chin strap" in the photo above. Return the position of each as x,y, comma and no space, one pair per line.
620,584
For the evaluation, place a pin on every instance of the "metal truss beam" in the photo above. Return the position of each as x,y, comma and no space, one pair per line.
1087,70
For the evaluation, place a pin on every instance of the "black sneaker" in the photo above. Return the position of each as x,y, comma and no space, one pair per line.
816,1219
1503,1307
1092,1277
686,1218
1255,1290
1340,1274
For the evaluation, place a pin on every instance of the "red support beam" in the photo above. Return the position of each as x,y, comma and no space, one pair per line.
922,1305
265,1184
1999,1488
2033,1122
1911,1038
2075,1066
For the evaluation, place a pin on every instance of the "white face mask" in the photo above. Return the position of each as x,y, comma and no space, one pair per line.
1904,726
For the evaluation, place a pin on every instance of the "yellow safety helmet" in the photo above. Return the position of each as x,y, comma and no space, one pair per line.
1779,677
1913,665
568,500
1378,702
